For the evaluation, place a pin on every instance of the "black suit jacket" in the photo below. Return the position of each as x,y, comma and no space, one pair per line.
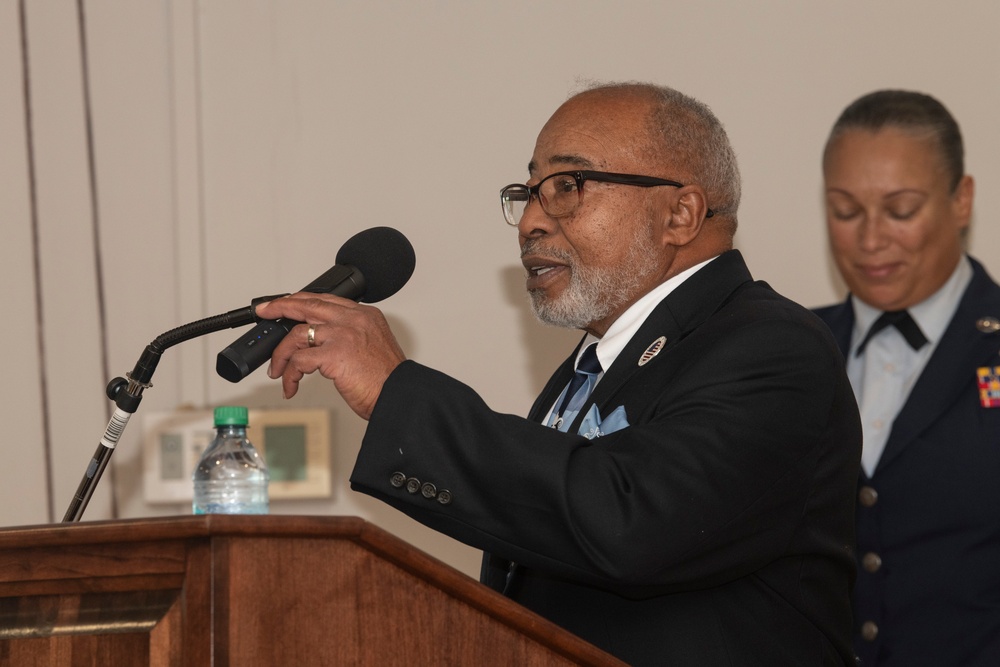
931,510
715,530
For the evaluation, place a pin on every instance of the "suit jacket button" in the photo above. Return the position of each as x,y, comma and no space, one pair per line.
444,496
867,496
869,631
871,561
398,479
428,490
412,484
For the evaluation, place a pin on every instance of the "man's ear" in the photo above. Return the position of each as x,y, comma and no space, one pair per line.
686,215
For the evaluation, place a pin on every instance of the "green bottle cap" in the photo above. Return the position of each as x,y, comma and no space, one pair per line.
230,415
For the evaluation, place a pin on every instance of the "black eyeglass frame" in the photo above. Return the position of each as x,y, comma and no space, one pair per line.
580,176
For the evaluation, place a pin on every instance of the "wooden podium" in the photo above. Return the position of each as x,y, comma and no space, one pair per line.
254,590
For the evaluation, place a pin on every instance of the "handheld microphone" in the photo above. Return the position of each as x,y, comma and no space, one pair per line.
371,265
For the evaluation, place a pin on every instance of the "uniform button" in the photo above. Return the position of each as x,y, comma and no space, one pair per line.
869,631
988,324
398,479
428,490
871,561
412,484
444,496
867,496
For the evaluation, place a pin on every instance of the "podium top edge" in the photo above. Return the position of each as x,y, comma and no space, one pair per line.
182,527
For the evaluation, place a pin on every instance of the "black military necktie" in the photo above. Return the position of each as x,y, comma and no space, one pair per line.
903,321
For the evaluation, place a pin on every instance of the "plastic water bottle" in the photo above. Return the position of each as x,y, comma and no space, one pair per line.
231,477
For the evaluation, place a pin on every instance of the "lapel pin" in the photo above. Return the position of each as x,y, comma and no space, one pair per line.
653,350
988,324
988,378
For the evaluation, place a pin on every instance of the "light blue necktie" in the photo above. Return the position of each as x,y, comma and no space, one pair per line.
578,390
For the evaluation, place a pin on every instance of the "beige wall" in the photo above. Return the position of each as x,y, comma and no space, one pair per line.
234,145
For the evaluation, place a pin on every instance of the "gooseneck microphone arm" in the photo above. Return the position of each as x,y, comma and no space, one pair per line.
371,265
127,393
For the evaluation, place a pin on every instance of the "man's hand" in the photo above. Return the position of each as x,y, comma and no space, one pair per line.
352,345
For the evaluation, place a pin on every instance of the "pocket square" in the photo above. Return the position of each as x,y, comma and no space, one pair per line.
593,426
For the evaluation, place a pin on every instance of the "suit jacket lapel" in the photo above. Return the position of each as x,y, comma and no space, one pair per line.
554,386
952,367
678,314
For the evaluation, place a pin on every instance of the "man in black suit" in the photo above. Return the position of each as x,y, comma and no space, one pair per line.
696,508
898,205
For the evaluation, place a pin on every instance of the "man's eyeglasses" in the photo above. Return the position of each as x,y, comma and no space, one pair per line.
561,193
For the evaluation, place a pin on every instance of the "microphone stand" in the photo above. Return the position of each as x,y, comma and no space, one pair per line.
127,393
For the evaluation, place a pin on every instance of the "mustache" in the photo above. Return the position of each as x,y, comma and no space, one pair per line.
536,247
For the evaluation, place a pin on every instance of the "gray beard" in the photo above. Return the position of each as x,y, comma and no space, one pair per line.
593,294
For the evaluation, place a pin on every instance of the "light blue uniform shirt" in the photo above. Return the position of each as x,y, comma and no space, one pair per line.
884,374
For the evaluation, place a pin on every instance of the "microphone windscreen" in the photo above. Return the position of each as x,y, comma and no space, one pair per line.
383,256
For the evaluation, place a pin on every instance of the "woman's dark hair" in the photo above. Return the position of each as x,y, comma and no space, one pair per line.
911,112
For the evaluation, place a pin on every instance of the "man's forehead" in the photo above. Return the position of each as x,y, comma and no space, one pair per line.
561,160
591,132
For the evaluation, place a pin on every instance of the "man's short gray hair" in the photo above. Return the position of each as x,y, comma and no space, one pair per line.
685,132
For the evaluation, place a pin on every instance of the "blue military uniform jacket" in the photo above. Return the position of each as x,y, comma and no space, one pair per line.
928,519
